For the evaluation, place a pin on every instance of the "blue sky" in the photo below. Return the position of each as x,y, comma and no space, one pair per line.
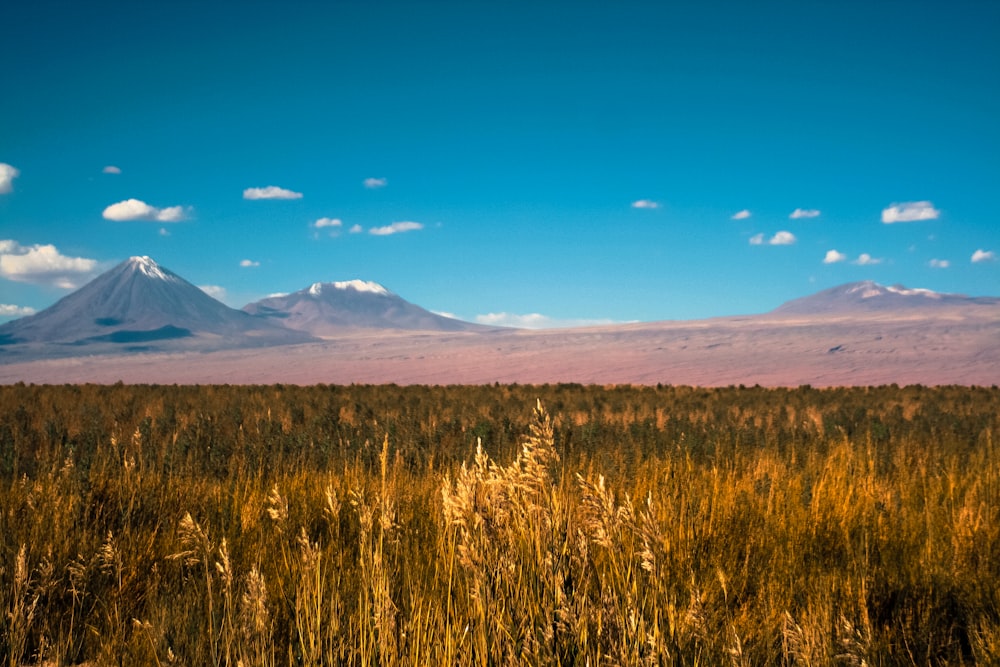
570,161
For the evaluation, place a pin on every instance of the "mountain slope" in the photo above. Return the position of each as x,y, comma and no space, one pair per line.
139,301
329,308
870,297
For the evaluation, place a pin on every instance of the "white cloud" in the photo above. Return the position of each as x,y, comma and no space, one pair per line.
910,211
111,169
832,257
741,215
9,310
356,229
537,321
214,291
7,175
864,259
271,192
328,222
248,263
983,256
43,265
804,213
375,183
134,209
395,228
646,203
939,264
780,238
164,232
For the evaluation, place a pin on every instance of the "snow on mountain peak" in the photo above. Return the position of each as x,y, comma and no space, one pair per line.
357,285
870,288
361,286
148,267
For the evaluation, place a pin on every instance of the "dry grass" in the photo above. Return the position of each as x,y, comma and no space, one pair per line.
839,550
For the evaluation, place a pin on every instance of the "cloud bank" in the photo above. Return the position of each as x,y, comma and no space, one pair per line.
43,265
395,228
910,211
7,175
10,310
134,209
271,192
536,321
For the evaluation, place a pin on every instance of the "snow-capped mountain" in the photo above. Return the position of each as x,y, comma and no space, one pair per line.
327,308
870,297
140,302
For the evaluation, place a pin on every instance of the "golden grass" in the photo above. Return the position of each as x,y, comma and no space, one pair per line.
799,547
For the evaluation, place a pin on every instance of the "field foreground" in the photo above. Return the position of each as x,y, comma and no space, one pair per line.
362,525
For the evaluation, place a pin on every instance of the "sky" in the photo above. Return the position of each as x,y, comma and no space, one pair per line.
525,163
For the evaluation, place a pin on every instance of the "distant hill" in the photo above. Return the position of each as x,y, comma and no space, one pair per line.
330,308
871,297
139,303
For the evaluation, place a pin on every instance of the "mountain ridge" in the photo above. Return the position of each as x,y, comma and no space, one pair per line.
330,307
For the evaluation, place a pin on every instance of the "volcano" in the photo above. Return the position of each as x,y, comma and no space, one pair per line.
137,304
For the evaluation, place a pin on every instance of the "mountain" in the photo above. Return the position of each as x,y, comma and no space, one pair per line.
138,304
870,297
330,308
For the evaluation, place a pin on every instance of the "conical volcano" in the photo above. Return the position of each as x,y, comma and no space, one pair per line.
140,302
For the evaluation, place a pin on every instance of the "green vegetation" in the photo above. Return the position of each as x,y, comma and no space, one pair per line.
281,525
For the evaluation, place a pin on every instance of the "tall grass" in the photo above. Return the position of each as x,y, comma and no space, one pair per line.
832,546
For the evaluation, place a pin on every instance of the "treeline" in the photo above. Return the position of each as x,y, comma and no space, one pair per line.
385,525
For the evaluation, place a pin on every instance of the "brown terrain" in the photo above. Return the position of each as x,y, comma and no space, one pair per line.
948,347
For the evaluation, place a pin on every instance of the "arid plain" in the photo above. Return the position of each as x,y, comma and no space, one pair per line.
769,350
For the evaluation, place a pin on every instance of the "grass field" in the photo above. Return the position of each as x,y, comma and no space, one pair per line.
495,525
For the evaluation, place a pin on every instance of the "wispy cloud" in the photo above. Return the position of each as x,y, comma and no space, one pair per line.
375,183
939,264
7,175
646,204
804,213
537,321
832,257
10,310
248,263
271,192
111,169
910,211
328,222
356,229
214,291
43,265
864,259
983,256
395,228
741,215
134,209
780,238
